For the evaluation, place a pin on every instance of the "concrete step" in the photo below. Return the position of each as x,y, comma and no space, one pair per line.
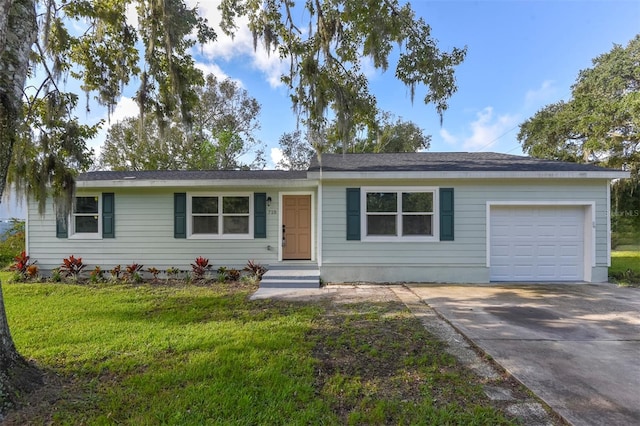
291,276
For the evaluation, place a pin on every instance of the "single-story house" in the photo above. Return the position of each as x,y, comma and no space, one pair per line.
417,217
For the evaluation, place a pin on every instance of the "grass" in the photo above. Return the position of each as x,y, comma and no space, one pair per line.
625,266
206,355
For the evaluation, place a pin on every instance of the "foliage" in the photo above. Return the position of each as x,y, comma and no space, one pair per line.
97,275
132,272
173,272
93,43
625,266
625,212
154,273
12,242
72,267
326,43
255,269
233,274
601,122
296,151
23,266
195,355
115,273
224,122
200,267
56,276
386,134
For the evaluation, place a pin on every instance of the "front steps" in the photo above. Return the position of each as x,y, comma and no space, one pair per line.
291,276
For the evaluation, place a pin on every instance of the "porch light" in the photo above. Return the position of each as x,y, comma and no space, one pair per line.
268,201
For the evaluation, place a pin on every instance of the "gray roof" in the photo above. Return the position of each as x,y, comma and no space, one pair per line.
445,162
192,175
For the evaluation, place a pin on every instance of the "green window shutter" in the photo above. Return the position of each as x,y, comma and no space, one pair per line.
446,214
62,226
180,215
353,214
108,215
259,215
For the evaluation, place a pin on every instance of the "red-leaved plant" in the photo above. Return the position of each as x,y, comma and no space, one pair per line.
23,266
255,269
20,264
200,268
133,272
72,266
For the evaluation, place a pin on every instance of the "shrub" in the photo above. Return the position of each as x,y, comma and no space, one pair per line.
72,267
154,273
255,269
21,266
97,275
12,242
115,273
133,272
56,277
172,273
233,274
200,268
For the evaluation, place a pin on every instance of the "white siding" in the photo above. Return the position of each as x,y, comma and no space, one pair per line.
144,234
459,260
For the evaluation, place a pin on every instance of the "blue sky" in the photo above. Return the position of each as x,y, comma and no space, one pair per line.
522,55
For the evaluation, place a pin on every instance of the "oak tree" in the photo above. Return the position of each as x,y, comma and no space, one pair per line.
42,141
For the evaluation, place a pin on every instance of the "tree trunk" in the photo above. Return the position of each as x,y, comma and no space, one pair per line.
18,30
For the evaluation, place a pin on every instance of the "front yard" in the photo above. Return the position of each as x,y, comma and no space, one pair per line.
186,354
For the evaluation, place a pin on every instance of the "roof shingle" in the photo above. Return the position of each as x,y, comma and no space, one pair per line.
445,162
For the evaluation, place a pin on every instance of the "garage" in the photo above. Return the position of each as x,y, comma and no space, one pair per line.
537,243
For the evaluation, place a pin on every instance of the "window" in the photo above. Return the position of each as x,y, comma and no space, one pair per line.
214,216
85,217
399,214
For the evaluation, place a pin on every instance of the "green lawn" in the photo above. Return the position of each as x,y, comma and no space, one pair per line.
625,265
205,355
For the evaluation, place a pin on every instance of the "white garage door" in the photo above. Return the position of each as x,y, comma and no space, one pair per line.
537,243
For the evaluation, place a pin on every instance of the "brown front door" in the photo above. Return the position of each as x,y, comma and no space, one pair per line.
296,227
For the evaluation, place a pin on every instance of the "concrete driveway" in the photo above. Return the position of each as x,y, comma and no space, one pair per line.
576,346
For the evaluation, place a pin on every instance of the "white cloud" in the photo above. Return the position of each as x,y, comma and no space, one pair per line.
214,69
542,95
448,137
227,48
487,130
276,156
125,108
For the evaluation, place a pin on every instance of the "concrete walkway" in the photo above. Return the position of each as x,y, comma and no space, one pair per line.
576,346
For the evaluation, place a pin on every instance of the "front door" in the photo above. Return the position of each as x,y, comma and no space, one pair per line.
296,227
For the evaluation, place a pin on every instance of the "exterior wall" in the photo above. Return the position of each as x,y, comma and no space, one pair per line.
461,260
144,234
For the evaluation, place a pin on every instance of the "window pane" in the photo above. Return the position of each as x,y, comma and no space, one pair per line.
385,202
235,224
417,225
417,202
86,205
204,205
235,205
205,224
381,225
86,224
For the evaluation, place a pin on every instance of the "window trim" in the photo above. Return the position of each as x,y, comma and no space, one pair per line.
221,216
435,224
72,222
